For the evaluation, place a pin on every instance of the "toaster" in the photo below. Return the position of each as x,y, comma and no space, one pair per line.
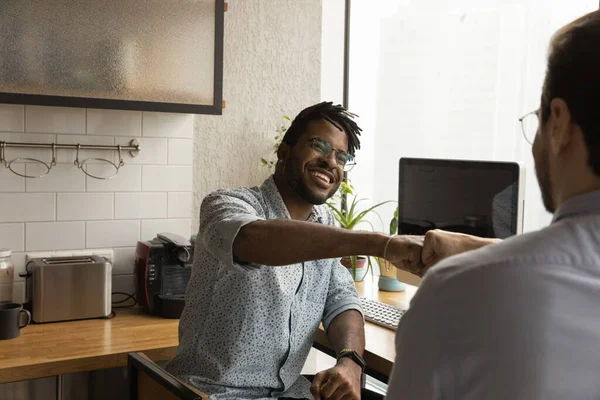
68,288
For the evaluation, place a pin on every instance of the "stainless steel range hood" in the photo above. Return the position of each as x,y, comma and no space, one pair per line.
159,55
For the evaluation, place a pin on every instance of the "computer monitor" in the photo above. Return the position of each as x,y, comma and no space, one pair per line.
481,198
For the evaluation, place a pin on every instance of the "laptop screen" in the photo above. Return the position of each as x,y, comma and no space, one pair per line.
473,197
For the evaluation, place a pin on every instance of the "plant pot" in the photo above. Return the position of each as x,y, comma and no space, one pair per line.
387,280
361,267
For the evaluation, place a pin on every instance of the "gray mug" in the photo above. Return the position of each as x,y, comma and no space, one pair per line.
11,320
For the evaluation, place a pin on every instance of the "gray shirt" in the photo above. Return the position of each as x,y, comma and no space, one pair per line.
246,329
516,320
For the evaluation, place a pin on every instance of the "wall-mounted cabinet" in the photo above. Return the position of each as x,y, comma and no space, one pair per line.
155,55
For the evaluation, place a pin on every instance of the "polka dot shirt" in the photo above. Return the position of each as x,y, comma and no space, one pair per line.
246,330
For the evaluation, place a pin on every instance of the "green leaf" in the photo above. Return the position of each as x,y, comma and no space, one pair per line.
265,162
286,117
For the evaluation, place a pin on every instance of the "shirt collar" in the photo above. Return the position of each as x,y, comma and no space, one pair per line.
276,201
588,203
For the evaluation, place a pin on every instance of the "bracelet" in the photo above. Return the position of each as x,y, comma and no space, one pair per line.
387,268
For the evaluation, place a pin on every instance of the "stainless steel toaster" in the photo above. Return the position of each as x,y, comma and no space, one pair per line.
68,288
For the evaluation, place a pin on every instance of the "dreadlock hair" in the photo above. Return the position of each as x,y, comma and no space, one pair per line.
337,115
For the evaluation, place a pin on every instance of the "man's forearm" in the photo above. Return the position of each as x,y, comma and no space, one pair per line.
347,331
284,242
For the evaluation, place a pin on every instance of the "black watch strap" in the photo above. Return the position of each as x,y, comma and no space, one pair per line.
354,356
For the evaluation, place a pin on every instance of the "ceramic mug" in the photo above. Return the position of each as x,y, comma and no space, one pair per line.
11,320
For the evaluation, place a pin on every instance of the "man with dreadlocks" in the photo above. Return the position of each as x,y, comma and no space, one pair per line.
266,274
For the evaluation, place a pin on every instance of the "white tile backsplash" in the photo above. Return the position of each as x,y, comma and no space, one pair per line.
179,205
54,236
67,212
154,151
114,122
151,227
122,284
25,207
68,156
45,119
140,205
166,178
12,236
19,293
181,151
62,178
129,179
12,117
124,262
173,125
10,182
84,206
112,233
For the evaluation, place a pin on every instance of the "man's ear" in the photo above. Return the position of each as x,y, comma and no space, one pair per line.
561,125
283,151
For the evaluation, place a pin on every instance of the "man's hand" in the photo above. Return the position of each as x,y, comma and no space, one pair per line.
440,244
404,252
339,382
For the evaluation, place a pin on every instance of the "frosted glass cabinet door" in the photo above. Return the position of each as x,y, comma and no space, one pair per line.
159,55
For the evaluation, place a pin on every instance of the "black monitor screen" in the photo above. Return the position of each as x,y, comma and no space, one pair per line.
474,197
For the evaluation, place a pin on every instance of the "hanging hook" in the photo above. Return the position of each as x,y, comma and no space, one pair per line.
2,159
76,162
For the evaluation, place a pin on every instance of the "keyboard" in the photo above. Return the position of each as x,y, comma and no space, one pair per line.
381,313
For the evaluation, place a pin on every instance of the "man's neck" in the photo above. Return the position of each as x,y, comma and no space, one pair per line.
296,206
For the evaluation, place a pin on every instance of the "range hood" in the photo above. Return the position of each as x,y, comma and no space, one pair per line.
155,55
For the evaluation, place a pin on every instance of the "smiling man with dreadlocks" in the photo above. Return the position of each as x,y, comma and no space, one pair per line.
266,273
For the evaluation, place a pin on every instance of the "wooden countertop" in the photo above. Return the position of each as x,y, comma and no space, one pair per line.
65,347
59,348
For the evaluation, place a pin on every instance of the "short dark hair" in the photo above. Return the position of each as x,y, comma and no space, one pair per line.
337,115
573,74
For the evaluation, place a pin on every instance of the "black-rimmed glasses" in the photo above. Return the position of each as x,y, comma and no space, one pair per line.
323,148
530,123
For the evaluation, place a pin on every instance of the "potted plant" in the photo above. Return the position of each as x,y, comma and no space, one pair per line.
350,218
387,278
272,161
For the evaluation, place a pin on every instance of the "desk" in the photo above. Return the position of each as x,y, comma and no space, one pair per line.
60,348
380,346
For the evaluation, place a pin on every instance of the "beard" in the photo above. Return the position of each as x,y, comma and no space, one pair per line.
296,178
542,172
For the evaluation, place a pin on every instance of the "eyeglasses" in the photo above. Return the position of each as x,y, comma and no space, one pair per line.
530,125
323,148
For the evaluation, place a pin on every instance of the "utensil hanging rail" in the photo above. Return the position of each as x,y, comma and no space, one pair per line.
132,148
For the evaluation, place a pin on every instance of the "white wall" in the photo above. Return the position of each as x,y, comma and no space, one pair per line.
271,68
449,80
68,211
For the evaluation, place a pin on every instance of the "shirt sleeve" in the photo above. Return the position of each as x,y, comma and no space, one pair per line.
222,216
414,372
341,295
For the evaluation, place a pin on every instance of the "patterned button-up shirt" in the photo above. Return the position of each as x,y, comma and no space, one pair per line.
246,329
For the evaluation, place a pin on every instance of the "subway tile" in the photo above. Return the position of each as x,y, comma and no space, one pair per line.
19,293
61,178
36,153
124,261
159,124
181,151
20,261
68,156
25,207
12,236
45,119
10,182
112,233
12,117
54,236
114,122
84,206
181,227
122,284
140,205
153,151
157,178
179,205
129,179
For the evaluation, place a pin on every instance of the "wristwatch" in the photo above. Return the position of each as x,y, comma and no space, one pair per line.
354,356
